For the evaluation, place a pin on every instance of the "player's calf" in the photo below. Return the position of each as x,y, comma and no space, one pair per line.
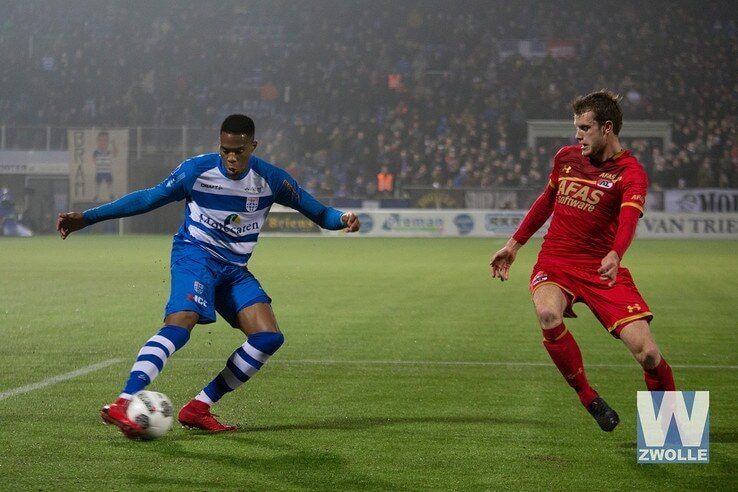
241,366
659,378
149,362
565,353
656,371
153,356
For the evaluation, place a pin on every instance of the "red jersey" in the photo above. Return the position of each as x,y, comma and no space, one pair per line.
587,204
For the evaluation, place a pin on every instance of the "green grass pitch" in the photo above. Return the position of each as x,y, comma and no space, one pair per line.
405,367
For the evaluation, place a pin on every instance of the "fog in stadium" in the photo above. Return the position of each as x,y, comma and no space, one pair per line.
389,104
403,152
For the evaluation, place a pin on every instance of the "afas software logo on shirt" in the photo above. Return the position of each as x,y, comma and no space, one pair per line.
673,427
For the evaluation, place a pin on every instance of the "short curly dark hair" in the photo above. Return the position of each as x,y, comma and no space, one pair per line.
604,104
238,124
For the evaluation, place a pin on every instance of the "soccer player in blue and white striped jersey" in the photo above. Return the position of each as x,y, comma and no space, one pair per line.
228,196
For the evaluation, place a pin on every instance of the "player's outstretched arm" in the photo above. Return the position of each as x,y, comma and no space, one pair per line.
352,222
69,222
135,203
538,214
499,264
292,195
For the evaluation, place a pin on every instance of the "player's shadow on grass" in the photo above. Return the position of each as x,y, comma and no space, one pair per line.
350,423
285,466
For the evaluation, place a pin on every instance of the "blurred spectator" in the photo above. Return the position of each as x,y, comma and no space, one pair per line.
441,95
385,181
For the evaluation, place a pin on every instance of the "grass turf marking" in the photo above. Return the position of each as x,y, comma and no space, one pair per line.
58,379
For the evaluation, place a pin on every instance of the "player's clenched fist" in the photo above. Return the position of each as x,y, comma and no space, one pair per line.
69,222
352,222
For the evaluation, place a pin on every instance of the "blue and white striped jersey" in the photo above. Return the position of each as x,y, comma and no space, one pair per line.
222,215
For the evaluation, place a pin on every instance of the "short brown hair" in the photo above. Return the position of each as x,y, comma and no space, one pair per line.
604,105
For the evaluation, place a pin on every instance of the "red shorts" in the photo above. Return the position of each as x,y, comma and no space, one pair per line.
614,306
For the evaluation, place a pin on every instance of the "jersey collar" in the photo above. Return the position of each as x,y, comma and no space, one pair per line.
620,155
616,157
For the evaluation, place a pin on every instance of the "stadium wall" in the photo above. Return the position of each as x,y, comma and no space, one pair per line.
502,223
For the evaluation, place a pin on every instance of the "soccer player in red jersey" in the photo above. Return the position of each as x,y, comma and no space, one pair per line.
596,194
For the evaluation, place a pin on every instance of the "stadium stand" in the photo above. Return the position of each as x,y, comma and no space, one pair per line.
439,96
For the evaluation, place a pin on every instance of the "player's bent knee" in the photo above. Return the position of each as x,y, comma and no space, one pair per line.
549,318
267,341
184,319
649,357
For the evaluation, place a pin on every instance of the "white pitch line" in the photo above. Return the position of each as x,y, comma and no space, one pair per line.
452,363
58,379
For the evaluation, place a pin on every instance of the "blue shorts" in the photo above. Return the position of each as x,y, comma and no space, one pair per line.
204,284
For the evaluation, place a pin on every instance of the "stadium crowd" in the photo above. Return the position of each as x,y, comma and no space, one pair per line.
344,91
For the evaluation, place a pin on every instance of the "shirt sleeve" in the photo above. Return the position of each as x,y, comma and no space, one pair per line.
543,207
627,224
635,189
290,194
174,188
537,215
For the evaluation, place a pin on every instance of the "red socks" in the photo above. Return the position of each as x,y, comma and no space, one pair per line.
565,353
660,377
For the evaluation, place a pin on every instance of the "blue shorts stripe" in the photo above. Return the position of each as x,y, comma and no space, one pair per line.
158,345
153,359
236,371
253,362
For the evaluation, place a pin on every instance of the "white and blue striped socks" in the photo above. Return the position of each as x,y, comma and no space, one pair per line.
243,364
153,356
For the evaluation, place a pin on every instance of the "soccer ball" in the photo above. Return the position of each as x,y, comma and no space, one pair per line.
152,411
